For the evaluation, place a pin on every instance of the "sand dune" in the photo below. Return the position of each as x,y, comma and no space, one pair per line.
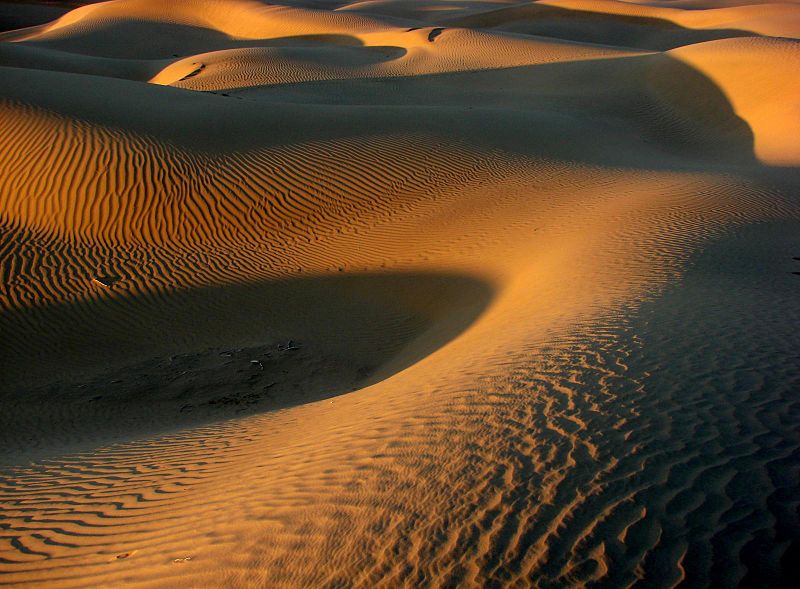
762,95
400,294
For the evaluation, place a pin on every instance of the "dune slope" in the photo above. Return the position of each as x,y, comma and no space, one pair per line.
400,294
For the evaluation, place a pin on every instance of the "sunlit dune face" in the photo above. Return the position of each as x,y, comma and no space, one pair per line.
400,294
757,77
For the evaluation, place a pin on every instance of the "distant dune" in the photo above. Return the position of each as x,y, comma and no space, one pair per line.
399,293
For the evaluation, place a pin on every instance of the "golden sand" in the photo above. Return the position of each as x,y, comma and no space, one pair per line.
400,293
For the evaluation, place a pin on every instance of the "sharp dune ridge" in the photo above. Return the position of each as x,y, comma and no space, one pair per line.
399,293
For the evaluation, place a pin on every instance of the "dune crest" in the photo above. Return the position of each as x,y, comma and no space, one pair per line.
756,76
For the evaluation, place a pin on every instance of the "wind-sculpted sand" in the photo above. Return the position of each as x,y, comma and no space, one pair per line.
400,294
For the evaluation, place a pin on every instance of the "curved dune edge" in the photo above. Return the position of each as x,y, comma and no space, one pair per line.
195,487
234,18
757,78
400,54
232,350
399,294
771,19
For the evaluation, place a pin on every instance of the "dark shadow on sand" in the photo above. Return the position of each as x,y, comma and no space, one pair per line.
647,111
643,111
136,365
584,26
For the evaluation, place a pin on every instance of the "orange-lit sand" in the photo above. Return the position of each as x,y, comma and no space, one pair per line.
401,293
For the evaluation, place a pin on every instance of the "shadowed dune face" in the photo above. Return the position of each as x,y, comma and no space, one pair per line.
643,111
400,294
378,315
169,40
672,116
764,97
617,30
17,15
201,354
670,105
305,58
165,40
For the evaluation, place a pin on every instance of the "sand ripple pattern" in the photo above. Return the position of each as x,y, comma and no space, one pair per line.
543,259
542,495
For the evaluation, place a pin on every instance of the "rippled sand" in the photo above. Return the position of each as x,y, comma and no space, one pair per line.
400,293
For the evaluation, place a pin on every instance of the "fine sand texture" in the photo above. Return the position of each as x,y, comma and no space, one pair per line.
400,293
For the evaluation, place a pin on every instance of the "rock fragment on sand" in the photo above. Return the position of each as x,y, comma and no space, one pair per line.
124,555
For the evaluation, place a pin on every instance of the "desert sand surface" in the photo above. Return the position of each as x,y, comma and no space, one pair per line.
400,293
